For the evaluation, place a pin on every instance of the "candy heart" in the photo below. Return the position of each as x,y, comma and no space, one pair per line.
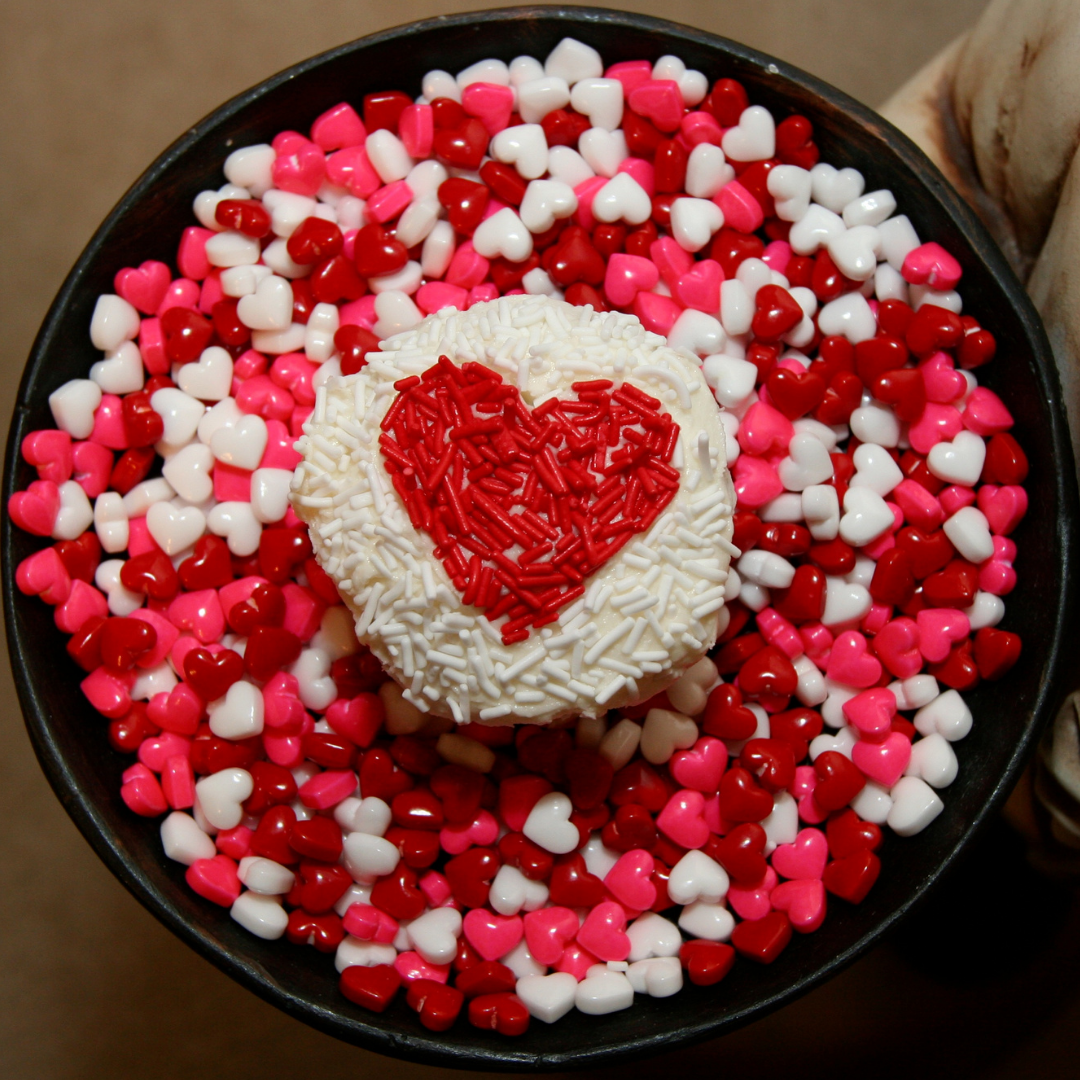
174,529
435,934
652,935
73,406
242,444
547,997
603,991
622,199
240,714
121,372
803,902
490,103
753,903
915,805
237,524
546,201
601,100
44,574
603,151
629,880
113,322
960,461
626,276
503,235
697,877
939,630
707,171
1004,507
210,379
850,663
883,762
790,187
871,712
693,222
493,936
933,760
659,976
220,795
35,510
660,101
996,651
682,819
663,732
143,288
808,462
549,825
189,471
805,858
701,767
753,138
866,516
270,307
706,962
699,288
523,146
603,932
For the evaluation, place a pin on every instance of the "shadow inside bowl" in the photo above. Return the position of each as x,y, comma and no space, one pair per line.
70,737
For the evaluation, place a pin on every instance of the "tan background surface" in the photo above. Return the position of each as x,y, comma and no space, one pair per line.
92,986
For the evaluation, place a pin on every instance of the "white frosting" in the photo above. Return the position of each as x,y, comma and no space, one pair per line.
606,649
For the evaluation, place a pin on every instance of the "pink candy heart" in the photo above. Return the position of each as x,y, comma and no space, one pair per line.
660,101
215,879
920,508
156,750
956,497
938,423
671,260
109,424
358,718
701,767
49,451
682,819
897,644
872,713
628,880
656,313
603,932
548,932
178,711
416,128
143,288
765,431
1003,507
804,902
493,935
742,211
490,103
930,264
627,275
200,612
181,293
351,169
44,574
883,762
700,288
805,858
642,172
939,630
34,510
338,127
850,663
300,165
83,603
283,711
92,466
753,903
756,482
481,831
985,413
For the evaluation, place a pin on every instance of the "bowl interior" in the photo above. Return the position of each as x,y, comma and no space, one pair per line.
70,738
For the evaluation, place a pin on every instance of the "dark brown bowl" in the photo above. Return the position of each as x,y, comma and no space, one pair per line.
70,738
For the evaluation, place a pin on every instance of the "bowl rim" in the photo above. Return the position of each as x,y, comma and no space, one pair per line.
428,1048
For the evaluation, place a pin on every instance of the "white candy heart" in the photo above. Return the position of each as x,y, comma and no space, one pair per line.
707,171
690,692
368,857
210,378
537,282
549,825
620,743
697,877
807,464
664,732
870,209
866,516
821,511
107,578
933,760
206,204
336,635
736,308
395,311
504,235
322,325
969,533
790,188
312,672
544,202
898,240
538,97
700,333
424,180
406,280
947,714
693,86
241,444
915,692
753,138
512,891
183,841
437,251
229,248
353,952
960,461
388,156
287,210
224,414
604,150
658,977
121,372
75,515
766,568
710,922
265,876
604,992
835,188
73,406
240,281
599,858
915,805
601,100
525,147
731,380
524,69
260,915
219,796
568,166
369,815
547,997
889,284
114,321
417,221
844,601
236,522
251,167
151,681
434,935
573,61
814,229
142,496
190,472
651,935
840,743
782,825
488,70
439,83
855,252
875,423
270,494
239,714
270,307
521,962
988,610
811,686
693,222
875,469
873,803
849,315
111,522
174,529
180,415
